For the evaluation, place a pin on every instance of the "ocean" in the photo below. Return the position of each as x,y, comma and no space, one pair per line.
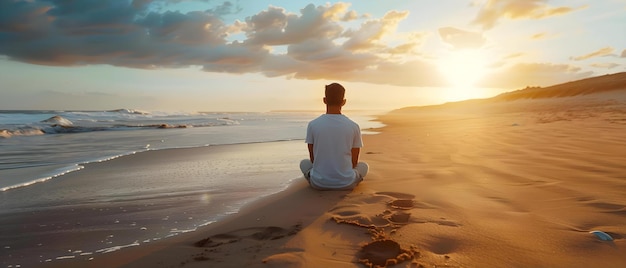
42,152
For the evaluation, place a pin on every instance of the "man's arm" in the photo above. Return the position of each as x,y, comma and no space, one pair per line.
311,156
355,156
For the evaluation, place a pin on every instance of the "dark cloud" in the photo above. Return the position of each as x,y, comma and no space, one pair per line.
110,32
225,8
140,4
91,17
23,20
193,28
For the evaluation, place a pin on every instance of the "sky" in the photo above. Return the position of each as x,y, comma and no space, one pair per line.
258,55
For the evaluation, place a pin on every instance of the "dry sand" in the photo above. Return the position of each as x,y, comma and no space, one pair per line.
503,184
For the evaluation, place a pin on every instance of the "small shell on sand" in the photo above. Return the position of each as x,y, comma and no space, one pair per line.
602,235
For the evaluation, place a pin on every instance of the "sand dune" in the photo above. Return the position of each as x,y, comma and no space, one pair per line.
593,85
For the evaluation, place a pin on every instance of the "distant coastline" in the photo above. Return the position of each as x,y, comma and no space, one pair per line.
588,86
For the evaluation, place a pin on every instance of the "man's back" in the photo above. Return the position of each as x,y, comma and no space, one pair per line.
334,143
333,136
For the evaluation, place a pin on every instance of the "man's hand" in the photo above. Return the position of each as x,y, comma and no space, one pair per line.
311,156
355,156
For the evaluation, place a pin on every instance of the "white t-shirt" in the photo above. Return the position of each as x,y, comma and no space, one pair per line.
333,136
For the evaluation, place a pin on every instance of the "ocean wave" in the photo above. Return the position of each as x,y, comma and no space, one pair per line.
26,131
126,119
172,126
228,121
129,111
31,182
65,129
58,120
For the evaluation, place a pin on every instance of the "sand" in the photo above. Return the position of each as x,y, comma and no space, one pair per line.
501,184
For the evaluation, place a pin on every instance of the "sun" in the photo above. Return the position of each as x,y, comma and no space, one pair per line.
463,69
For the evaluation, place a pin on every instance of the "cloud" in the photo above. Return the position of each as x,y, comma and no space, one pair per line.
140,3
539,74
369,35
538,36
598,53
143,34
460,39
225,8
350,16
623,53
605,65
495,10
275,26
313,43
514,55
409,46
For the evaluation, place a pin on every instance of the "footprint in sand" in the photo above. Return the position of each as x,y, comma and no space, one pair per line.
353,214
255,233
217,240
396,207
273,233
399,218
409,204
402,204
382,253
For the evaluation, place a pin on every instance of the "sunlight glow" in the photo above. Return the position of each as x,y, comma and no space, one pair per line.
463,69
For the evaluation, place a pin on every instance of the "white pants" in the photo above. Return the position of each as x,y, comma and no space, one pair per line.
361,169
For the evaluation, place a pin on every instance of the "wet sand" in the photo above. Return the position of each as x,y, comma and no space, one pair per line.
138,199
